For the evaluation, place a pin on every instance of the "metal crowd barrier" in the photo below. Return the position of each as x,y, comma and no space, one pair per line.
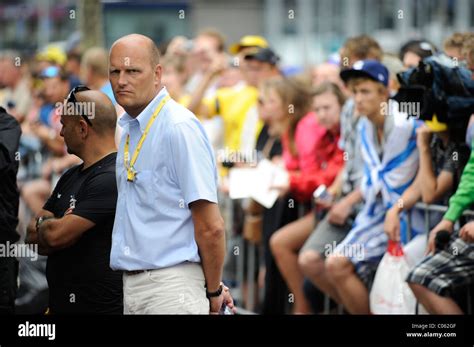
246,262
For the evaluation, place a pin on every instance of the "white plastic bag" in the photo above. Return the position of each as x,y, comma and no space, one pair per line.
390,293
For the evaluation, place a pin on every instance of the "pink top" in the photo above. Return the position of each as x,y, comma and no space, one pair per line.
307,136
319,158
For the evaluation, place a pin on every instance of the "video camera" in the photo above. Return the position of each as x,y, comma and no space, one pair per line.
441,88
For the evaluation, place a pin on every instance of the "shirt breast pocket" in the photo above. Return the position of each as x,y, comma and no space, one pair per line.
145,186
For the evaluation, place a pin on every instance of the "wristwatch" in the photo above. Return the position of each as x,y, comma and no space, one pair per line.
217,293
40,220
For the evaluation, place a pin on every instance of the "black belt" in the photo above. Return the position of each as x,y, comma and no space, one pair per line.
135,272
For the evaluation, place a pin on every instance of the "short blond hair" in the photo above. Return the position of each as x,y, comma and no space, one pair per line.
96,59
353,82
216,35
362,47
454,41
467,50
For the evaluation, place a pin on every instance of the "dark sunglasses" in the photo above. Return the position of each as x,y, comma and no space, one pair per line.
71,98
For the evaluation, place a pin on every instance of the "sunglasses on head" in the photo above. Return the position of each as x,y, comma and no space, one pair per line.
71,98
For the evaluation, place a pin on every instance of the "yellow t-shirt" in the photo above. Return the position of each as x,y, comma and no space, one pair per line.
233,106
184,100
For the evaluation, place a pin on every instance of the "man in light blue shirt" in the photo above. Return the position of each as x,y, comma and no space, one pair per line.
168,235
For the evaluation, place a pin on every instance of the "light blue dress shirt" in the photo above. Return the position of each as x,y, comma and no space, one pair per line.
153,225
107,90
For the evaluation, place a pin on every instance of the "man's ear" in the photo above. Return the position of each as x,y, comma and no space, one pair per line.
83,128
158,73
384,91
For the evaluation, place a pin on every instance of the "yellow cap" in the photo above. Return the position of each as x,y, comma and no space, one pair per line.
52,54
436,126
248,41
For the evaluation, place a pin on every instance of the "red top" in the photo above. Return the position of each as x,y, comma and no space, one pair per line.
318,161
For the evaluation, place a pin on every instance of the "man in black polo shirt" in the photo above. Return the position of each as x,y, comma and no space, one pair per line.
9,198
75,226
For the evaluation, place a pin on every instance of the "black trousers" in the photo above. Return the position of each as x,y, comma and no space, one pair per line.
8,284
276,298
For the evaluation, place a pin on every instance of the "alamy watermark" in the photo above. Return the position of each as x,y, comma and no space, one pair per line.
410,108
28,329
227,155
78,108
355,250
19,250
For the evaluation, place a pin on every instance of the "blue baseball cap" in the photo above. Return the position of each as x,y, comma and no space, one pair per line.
372,69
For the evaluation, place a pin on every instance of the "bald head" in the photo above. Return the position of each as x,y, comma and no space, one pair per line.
104,118
134,72
326,72
140,42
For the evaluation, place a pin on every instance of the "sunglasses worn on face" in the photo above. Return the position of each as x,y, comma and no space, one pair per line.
71,98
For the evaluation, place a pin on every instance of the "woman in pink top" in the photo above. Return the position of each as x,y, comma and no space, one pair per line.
284,103
319,165
307,135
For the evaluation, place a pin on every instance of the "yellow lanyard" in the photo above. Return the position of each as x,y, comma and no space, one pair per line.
129,166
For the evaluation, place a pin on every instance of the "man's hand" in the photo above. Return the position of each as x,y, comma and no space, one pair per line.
228,299
329,199
443,225
391,225
467,232
339,212
216,303
31,233
325,204
423,137
218,64
225,298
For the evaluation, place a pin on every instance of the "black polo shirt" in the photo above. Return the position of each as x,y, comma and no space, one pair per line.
79,277
10,132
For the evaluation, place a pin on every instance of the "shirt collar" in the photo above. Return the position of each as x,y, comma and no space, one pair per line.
146,114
